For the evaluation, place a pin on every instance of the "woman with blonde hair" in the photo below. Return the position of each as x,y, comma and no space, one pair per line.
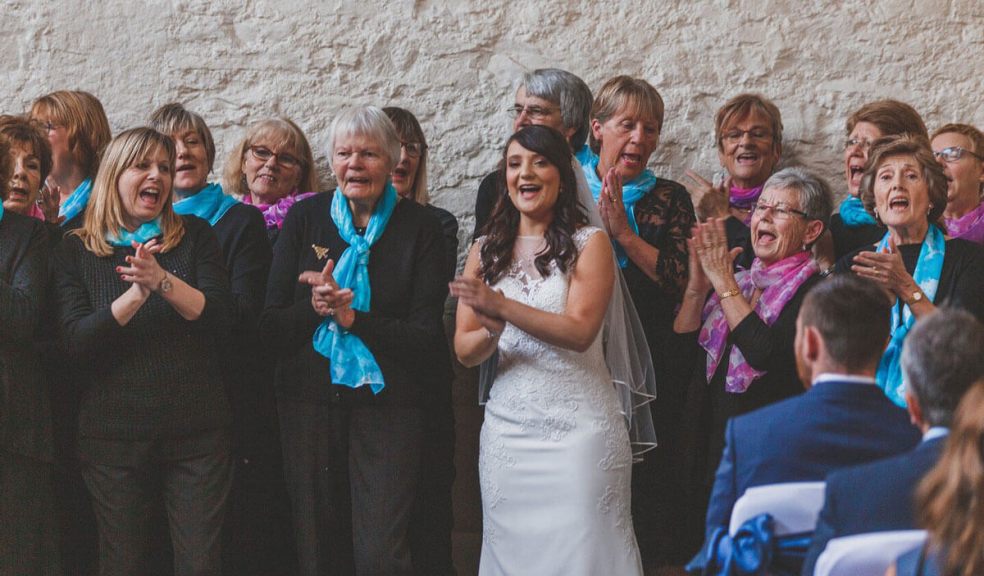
271,169
78,132
143,295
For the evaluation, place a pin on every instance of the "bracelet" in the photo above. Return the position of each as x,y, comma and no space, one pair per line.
729,294
489,334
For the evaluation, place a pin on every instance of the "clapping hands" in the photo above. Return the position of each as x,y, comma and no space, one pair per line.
327,297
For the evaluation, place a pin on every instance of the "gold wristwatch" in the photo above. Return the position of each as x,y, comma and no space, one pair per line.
166,285
916,296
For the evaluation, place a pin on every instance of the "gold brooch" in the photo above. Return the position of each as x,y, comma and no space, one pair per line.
319,251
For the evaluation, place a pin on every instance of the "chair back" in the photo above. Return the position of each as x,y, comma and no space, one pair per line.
866,554
794,506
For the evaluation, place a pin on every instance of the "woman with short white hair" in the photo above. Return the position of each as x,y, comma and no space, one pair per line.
354,309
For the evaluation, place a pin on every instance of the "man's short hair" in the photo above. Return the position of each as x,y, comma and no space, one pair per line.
852,315
942,357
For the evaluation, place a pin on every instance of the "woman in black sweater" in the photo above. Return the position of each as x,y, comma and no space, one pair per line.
143,296
28,530
355,352
257,536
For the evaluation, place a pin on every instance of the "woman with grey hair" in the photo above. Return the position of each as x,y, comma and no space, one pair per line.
353,310
738,328
549,97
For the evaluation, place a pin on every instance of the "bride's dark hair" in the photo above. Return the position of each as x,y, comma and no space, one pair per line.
569,215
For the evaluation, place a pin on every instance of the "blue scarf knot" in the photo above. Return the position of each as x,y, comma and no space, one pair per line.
754,549
927,276
209,204
853,213
352,364
145,232
632,191
76,202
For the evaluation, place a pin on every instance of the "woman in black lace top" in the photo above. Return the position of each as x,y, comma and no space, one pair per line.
649,219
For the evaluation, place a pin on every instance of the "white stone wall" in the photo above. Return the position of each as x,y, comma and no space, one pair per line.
454,64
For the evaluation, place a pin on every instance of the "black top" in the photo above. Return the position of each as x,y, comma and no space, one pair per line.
665,216
242,237
961,279
158,376
740,236
449,224
404,328
485,201
25,411
848,239
765,348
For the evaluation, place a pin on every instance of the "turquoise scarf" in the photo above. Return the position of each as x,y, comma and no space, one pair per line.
632,192
853,213
1,210
75,204
208,204
927,276
352,364
145,232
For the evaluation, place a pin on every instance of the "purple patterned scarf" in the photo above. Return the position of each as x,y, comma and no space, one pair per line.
743,198
275,213
970,226
778,283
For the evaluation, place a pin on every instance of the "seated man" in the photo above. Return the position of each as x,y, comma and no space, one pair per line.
942,358
843,419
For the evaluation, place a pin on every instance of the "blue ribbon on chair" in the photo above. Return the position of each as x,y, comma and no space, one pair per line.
753,550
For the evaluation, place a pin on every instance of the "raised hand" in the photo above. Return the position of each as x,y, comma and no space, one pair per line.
709,201
611,208
49,201
143,268
710,242
887,269
327,297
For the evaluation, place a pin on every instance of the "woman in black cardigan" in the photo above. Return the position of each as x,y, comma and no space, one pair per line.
143,297
28,530
354,353
257,536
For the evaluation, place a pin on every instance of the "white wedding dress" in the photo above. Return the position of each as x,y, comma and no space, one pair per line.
555,463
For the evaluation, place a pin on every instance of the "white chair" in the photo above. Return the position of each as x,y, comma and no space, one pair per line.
794,506
866,554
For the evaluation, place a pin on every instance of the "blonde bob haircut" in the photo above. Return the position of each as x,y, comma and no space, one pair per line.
84,120
173,119
104,213
625,94
279,133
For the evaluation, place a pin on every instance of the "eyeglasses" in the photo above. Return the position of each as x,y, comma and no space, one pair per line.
264,154
952,154
532,112
51,126
756,134
863,143
779,211
414,149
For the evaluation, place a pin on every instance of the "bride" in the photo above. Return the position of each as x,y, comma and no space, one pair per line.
555,460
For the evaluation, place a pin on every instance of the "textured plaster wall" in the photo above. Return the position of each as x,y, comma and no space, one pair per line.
455,63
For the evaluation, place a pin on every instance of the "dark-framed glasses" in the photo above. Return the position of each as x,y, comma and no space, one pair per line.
532,112
414,149
263,154
779,211
756,134
953,154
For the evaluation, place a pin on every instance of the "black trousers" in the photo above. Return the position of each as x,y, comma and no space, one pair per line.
194,488
28,523
352,474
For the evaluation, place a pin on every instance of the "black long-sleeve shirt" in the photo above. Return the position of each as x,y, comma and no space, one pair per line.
158,376
25,410
403,328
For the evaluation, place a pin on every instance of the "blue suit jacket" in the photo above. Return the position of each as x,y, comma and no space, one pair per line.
872,498
833,425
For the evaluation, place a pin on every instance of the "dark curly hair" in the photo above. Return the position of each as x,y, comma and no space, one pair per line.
503,226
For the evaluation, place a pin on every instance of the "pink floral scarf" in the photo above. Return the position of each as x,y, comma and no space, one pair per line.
970,226
778,283
275,213
743,199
